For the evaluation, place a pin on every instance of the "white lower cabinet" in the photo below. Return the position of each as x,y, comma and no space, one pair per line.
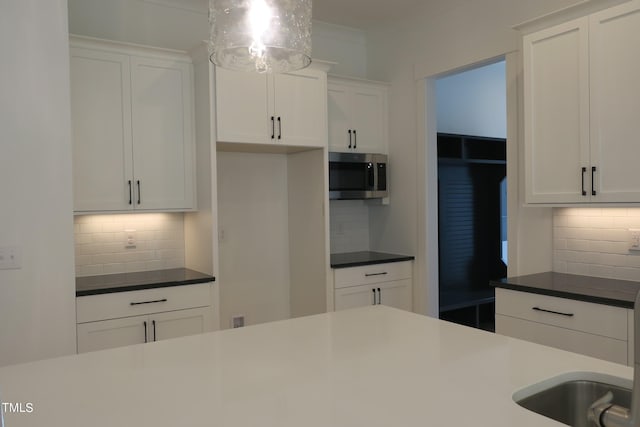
388,284
595,330
141,329
126,318
394,294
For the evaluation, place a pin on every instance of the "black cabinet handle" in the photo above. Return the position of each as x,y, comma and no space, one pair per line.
139,195
374,296
148,302
355,140
153,322
552,312
273,127
584,192
145,330
130,195
375,274
379,296
279,128
593,185
349,138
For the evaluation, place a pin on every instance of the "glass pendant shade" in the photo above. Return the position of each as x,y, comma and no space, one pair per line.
271,36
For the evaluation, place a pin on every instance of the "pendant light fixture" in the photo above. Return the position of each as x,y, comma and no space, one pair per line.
264,36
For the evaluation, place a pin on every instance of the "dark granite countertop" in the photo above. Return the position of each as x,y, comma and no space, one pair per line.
619,293
355,259
110,283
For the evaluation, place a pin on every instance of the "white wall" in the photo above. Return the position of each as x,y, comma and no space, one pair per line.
254,237
347,47
37,302
473,102
444,36
595,242
101,243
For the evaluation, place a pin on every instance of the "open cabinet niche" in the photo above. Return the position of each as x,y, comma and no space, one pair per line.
272,233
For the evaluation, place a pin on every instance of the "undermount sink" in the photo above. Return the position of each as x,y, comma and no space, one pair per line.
567,398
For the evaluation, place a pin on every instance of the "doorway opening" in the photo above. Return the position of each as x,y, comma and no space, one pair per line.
472,193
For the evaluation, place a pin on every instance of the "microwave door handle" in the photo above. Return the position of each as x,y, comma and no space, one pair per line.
371,177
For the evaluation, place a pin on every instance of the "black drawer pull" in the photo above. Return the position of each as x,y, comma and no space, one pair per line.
553,312
375,274
374,296
148,302
584,192
145,330
379,296
593,185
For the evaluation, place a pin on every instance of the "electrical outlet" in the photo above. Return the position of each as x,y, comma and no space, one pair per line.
634,239
130,239
237,322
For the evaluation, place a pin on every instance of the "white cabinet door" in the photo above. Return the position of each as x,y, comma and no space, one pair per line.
105,334
393,294
162,134
357,116
340,110
101,125
369,119
355,296
242,110
300,108
556,109
180,323
396,294
566,339
615,102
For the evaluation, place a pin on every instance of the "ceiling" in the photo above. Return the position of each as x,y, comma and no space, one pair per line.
362,14
181,24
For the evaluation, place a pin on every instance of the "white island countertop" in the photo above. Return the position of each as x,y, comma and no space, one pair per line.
374,366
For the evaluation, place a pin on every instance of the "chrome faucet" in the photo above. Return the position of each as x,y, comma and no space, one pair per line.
604,413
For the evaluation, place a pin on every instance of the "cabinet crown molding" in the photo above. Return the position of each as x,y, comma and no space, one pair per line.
94,43
580,9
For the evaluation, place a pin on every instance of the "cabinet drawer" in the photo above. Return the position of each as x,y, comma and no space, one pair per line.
582,316
375,273
125,304
565,339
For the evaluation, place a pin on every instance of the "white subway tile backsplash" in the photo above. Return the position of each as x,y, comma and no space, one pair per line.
349,226
595,241
100,243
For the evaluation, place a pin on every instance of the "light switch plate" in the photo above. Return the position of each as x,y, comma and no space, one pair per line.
10,258
634,239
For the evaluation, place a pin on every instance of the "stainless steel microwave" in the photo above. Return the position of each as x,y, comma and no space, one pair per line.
357,176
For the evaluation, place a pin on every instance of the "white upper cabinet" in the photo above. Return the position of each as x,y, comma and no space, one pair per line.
614,39
357,116
162,133
280,109
132,119
581,96
556,93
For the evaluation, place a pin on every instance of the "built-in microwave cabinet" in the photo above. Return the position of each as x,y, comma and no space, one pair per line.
287,109
357,115
581,90
132,123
